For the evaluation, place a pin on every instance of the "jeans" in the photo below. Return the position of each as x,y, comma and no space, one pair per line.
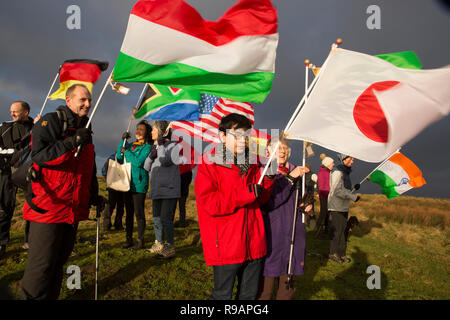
248,274
163,211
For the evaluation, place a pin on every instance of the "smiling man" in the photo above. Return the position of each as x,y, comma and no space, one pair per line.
63,191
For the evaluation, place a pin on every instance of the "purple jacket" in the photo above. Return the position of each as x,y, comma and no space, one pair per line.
278,219
323,182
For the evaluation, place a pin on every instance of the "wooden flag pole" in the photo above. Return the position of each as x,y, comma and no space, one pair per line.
132,112
294,115
50,90
304,143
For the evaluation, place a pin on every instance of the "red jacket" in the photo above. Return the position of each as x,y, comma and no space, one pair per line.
229,215
66,183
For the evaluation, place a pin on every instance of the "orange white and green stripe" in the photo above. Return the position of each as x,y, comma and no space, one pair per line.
168,42
397,175
78,71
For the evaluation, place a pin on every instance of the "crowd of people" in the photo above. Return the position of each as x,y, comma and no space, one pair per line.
252,226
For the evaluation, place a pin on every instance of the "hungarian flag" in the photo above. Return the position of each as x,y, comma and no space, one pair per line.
167,103
398,175
168,42
368,107
78,71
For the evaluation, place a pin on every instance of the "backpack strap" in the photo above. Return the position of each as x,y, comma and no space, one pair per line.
62,116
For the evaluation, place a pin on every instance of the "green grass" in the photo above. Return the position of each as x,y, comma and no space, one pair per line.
407,237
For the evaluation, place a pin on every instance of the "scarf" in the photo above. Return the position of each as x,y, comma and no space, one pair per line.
346,175
228,155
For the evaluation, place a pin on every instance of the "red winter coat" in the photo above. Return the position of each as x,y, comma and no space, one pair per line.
229,215
66,183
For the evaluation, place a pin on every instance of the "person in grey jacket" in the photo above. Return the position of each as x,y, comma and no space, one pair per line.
162,164
338,204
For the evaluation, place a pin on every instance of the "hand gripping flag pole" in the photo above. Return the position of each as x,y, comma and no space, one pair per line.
96,106
294,115
50,90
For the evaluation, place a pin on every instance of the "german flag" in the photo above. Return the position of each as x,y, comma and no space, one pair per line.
78,71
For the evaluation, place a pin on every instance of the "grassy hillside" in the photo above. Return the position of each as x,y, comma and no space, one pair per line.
407,237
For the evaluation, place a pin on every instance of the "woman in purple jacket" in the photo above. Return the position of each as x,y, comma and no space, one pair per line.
278,219
323,184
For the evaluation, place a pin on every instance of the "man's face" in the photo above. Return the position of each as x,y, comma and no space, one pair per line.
79,101
348,162
18,113
235,140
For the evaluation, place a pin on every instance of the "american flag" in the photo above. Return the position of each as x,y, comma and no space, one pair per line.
211,110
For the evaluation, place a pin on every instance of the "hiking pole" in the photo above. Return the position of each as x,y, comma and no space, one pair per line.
50,90
290,278
99,209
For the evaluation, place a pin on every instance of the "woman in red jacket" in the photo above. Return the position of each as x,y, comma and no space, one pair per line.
228,205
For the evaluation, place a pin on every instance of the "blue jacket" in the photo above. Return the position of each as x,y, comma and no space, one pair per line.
136,156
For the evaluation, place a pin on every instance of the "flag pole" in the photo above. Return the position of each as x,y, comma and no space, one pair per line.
384,161
304,144
96,106
50,90
294,115
132,112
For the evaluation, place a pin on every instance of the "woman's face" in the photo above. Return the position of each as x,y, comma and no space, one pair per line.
331,166
154,133
282,153
140,132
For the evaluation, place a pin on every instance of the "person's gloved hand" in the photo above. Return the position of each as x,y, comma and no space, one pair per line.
153,154
356,186
98,201
160,141
357,198
82,137
257,189
126,135
122,150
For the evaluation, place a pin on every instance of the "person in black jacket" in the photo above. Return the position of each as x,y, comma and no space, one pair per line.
14,147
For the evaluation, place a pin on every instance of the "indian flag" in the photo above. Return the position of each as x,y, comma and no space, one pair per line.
78,71
168,42
397,175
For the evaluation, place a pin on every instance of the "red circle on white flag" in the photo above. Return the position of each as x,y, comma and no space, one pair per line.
368,115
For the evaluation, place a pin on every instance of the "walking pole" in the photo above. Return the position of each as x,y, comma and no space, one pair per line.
50,90
290,278
95,107
132,114
97,218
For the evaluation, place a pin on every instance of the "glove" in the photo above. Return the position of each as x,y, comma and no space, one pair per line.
98,201
153,154
357,198
126,135
257,189
160,141
356,186
122,150
82,137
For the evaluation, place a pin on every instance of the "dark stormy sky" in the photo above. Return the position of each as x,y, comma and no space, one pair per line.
35,40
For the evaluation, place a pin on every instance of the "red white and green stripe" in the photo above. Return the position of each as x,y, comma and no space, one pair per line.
168,42
397,175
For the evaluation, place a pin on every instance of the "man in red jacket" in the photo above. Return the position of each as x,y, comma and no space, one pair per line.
64,189
228,205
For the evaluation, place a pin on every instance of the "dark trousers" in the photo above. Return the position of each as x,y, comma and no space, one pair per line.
50,247
134,205
27,230
163,211
247,273
7,204
186,179
337,228
323,215
115,201
267,284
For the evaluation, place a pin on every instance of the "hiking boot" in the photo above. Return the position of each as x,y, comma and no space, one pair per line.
127,244
168,251
157,247
25,246
346,259
335,258
139,245
2,250
180,224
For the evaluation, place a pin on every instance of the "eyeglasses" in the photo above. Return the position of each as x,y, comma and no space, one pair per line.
239,135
